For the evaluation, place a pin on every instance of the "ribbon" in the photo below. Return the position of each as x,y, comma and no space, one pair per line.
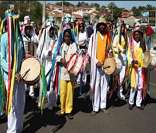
43,91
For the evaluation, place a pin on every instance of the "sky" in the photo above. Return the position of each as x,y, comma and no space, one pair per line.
121,4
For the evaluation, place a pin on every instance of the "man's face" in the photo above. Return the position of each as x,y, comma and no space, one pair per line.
51,32
81,27
67,38
137,36
103,28
28,32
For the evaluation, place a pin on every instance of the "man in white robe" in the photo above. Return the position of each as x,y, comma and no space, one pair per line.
97,51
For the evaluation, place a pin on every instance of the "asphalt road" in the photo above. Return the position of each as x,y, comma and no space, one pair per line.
118,119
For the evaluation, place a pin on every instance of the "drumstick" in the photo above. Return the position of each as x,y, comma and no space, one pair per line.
25,73
106,67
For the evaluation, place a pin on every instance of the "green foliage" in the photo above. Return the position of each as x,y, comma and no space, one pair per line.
25,8
64,3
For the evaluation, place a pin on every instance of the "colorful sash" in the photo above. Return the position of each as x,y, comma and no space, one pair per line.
15,56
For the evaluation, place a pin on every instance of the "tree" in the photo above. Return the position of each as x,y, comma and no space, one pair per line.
136,11
111,5
82,4
115,11
64,3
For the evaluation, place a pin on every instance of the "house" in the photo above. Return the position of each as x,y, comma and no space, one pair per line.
126,13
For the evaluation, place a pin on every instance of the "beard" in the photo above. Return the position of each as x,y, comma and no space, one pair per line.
102,31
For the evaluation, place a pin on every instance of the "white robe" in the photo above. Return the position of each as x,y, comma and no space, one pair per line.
99,80
43,49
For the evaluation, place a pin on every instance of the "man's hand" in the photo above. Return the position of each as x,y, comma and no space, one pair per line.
110,54
99,64
50,53
28,55
134,62
18,77
63,62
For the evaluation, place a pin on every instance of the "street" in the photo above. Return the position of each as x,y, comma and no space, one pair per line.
118,119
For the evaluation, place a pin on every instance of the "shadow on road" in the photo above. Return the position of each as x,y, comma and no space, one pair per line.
149,100
34,120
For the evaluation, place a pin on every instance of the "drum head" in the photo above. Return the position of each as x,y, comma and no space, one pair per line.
71,62
109,66
30,69
78,65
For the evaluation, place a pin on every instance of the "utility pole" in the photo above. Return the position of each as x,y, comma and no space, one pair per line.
155,18
43,12
62,8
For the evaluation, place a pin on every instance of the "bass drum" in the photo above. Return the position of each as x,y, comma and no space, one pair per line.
109,66
30,70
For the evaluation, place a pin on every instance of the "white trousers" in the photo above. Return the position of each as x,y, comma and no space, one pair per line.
15,117
122,75
100,92
122,57
138,90
51,96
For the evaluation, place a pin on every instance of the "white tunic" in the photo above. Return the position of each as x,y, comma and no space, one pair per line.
82,38
66,52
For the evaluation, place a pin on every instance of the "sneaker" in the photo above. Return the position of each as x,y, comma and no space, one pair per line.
130,107
3,118
140,107
93,113
122,97
61,115
104,110
69,116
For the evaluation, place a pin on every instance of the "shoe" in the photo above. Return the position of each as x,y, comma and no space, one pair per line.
130,107
61,115
140,107
93,113
122,97
3,118
82,96
104,110
69,116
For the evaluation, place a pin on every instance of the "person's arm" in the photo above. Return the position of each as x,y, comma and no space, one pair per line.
115,45
129,53
90,48
4,63
48,51
40,44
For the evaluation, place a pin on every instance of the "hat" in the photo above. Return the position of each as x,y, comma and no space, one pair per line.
8,13
67,18
147,59
109,66
102,20
26,18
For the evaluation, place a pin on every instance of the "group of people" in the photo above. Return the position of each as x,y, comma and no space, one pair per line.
54,48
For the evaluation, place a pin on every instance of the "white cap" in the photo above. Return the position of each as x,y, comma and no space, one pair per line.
26,18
